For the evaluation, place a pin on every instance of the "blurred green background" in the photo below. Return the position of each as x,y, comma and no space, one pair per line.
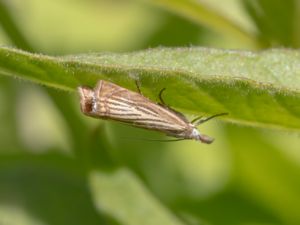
59,167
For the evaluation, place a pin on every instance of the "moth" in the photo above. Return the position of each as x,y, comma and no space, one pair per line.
110,101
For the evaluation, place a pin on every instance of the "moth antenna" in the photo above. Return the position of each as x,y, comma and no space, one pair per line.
197,118
199,121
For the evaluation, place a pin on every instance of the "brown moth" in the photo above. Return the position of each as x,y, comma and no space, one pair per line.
110,101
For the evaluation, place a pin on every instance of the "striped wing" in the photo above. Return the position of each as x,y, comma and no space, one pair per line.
114,102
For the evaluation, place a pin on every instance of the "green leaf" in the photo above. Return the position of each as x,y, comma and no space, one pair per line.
44,189
11,29
123,197
202,14
236,208
265,174
16,216
275,30
255,88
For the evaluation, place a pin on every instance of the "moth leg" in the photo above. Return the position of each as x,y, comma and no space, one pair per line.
197,121
137,84
160,97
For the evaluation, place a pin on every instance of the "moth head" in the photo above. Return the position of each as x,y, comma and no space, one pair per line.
201,137
195,134
86,99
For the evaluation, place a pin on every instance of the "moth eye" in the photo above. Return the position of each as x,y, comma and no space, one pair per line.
88,107
86,101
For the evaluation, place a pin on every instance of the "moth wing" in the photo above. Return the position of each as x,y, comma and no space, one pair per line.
117,103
